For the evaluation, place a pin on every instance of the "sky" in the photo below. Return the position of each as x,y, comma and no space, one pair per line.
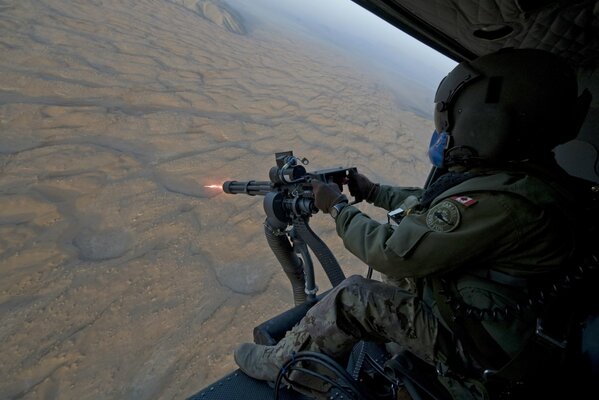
350,18
409,68
345,19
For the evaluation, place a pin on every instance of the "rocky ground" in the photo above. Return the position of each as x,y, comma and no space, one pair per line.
121,275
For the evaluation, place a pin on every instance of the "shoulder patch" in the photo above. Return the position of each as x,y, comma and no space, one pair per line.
444,217
465,200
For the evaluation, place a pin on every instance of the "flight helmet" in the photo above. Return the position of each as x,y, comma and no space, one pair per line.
511,105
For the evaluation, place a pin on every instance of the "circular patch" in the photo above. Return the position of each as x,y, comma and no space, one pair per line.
444,217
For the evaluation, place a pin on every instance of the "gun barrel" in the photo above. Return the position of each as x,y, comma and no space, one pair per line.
251,188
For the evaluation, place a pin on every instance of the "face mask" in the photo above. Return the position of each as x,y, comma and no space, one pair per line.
436,149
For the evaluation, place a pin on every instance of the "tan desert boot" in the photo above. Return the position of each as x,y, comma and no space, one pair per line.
264,362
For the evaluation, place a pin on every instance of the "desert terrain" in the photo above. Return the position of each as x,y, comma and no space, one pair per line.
121,275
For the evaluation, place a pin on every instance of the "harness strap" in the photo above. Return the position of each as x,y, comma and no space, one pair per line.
502,278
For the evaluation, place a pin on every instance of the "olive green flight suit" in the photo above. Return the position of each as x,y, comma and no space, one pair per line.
509,223
506,222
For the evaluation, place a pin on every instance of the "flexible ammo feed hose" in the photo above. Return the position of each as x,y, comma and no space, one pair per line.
291,263
323,253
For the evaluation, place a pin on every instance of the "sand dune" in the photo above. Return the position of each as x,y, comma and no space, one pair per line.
121,276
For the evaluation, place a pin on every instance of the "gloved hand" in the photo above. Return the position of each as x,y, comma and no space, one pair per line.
361,188
326,195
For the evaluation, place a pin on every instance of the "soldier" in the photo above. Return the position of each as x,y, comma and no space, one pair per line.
498,218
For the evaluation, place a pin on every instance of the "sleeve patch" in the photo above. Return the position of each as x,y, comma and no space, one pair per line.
465,200
444,217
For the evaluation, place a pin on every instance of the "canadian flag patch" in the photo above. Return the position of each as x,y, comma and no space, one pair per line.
464,200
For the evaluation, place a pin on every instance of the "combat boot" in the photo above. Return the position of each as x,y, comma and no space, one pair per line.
264,362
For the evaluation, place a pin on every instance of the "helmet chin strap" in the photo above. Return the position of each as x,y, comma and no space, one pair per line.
462,155
442,155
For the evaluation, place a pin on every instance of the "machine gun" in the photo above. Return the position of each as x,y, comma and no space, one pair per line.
289,204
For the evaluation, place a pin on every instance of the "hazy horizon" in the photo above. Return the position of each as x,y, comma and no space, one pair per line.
397,59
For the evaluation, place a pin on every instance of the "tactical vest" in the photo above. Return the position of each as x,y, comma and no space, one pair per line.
544,307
